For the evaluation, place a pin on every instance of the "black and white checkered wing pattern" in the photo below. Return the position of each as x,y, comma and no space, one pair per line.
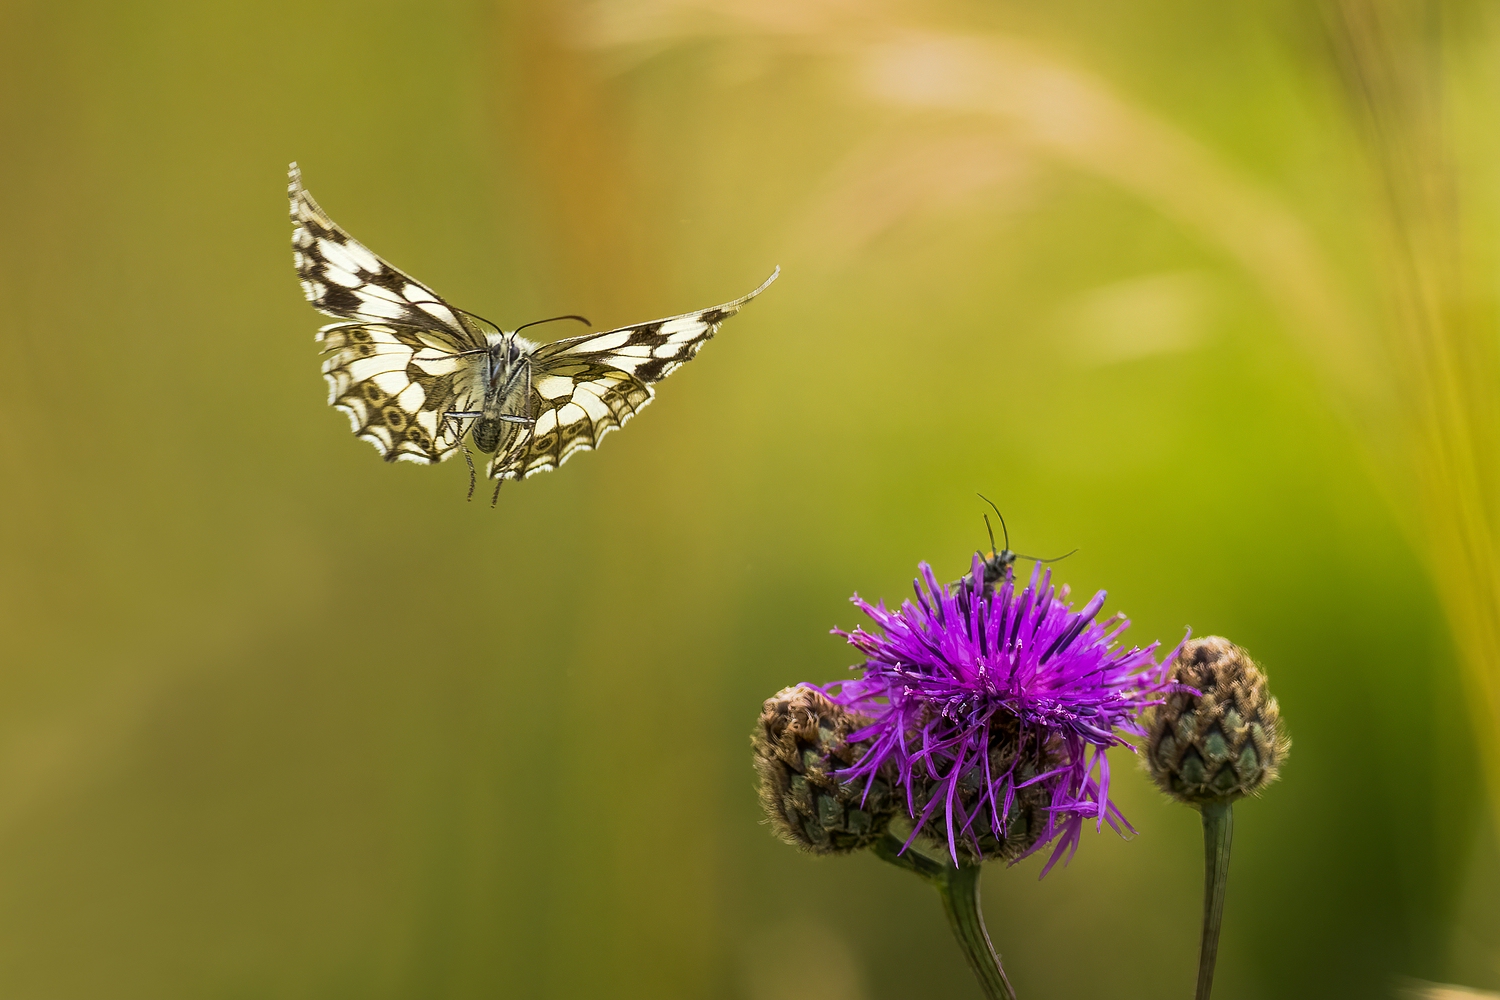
401,365
342,278
397,385
584,387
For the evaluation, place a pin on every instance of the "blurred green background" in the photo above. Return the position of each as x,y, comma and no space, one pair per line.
279,720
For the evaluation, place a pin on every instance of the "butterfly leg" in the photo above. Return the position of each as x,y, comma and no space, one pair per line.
455,422
528,392
495,499
469,461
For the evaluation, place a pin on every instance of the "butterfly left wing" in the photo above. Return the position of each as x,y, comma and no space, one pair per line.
584,387
397,385
343,278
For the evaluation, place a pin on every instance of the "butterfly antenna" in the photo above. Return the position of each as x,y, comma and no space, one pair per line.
991,532
550,319
1004,530
473,315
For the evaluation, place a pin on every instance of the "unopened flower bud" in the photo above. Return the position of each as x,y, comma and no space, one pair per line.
1224,743
801,740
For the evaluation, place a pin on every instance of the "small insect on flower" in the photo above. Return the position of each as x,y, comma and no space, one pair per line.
984,698
1000,564
418,376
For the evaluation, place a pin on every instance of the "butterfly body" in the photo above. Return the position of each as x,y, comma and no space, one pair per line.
505,379
418,377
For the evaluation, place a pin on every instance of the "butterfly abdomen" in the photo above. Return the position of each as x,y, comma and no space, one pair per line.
486,434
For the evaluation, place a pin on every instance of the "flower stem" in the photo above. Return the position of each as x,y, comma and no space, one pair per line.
1218,831
959,889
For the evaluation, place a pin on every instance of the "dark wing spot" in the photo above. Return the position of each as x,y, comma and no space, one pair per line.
337,298
373,393
711,316
395,419
655,369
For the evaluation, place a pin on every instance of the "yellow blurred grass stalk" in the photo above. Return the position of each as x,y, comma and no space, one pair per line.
1439,330
1419,382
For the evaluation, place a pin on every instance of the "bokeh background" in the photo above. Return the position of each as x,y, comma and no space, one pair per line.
1203,290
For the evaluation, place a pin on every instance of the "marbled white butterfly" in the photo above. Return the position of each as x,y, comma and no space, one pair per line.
417,376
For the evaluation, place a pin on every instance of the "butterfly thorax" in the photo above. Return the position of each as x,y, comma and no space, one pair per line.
506,387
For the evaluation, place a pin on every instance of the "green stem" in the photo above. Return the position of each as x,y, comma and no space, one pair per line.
959,889
1218,831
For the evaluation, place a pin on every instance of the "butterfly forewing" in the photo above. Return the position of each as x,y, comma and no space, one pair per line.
342,278
584,387
574,406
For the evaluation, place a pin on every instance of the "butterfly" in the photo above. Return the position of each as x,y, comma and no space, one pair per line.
419,377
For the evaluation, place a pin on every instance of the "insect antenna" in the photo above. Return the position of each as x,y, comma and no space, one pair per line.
1041,560
539,322
551,319
1003,529
471,315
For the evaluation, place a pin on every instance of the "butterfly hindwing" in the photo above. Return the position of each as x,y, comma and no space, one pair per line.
398,386
584,387
574,405
342,278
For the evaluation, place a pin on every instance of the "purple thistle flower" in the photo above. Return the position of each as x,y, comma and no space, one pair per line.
963,671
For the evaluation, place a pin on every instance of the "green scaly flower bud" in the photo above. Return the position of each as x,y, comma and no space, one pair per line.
1221,745
802,738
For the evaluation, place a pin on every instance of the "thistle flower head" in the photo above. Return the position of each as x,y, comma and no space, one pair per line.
981,699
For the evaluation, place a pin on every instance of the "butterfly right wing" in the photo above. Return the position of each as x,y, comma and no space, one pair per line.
582,388
342,278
